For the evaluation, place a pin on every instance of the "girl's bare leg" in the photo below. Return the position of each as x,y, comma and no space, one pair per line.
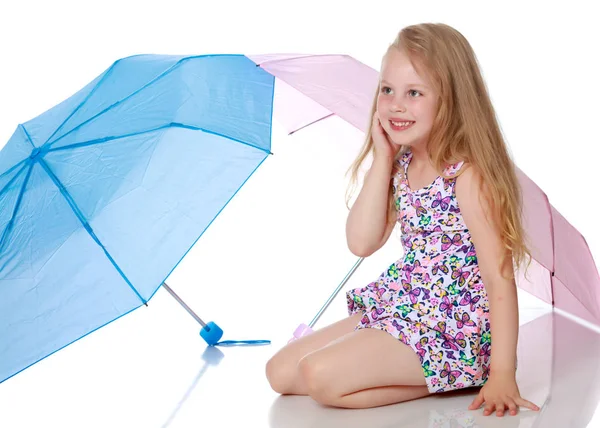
282,368
365,368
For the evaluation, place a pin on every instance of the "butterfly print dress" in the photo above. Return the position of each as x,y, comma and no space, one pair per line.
433,298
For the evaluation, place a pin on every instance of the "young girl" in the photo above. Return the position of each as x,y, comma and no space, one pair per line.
441,169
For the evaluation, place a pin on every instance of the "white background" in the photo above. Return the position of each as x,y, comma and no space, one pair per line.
278,250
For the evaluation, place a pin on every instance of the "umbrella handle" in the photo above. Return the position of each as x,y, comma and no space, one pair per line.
301,330
212,333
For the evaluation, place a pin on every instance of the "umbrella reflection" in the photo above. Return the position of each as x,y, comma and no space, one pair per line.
575,382
212,357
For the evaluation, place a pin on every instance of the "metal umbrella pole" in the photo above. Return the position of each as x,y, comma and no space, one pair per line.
303,329
211,332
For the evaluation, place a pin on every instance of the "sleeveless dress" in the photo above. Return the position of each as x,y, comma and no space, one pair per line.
433,298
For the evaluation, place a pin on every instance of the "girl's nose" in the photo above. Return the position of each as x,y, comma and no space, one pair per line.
398,108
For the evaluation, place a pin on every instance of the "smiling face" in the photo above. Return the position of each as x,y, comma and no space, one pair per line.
404,95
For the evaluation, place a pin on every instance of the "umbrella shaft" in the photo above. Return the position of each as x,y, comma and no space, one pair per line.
335,293
182,303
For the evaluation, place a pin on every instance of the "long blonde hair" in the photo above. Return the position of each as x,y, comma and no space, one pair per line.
465,128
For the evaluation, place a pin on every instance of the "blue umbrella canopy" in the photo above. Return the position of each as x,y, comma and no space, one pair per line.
103,195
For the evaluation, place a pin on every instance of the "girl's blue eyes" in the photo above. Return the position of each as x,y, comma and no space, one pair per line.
387,87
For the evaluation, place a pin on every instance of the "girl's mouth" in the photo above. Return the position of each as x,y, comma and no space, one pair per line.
401,126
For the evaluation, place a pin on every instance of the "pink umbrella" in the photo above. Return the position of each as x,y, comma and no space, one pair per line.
563,271
314,87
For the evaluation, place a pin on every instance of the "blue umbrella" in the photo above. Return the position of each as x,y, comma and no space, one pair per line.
103,195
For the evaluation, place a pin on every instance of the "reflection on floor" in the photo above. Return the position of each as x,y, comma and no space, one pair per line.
567,385
163,379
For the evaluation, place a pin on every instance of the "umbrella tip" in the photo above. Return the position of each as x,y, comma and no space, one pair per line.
211,333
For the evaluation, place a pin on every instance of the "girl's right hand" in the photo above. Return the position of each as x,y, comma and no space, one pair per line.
381,140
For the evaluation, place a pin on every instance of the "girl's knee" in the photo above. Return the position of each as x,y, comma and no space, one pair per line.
314,376
278,374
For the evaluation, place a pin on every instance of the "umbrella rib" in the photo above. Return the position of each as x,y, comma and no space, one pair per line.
298,57
27,135
312,123
83,102
24,160
170,125
553,270
86,225
110,107
553,247
14,177
8,171
575,297
10,223
157,78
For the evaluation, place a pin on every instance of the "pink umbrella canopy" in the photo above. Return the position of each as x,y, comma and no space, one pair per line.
563,272
311,88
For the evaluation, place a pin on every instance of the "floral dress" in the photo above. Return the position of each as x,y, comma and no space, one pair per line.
433,298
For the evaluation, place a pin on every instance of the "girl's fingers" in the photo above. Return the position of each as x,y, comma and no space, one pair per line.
488,409
527,404
477,402
512,406
499,408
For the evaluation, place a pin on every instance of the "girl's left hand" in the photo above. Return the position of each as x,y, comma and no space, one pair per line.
500,392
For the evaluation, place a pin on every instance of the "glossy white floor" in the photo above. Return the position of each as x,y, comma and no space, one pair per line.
151,370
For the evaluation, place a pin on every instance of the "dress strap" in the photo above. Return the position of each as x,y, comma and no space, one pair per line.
452,169
400,175
405,160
